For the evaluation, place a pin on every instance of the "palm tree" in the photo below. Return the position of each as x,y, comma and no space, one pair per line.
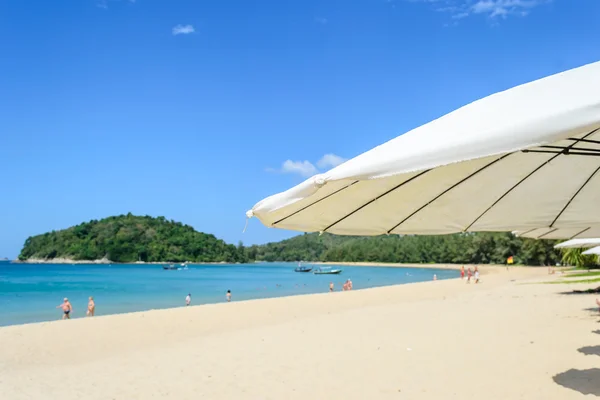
576,258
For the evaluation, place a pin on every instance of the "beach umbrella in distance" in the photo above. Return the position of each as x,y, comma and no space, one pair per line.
526,159
592,251
578,243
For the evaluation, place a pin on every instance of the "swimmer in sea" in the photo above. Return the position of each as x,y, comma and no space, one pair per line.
66,307
91,307
228,295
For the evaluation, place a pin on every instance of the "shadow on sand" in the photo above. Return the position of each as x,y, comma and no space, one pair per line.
584,381
588,291
597,331
590,351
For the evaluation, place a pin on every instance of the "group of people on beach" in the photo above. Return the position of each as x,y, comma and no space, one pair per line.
345,287
188,298
67,308
469,274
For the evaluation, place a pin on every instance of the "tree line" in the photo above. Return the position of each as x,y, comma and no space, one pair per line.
463,248
129,238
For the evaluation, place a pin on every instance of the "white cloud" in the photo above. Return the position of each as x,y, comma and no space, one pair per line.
306,168
330,161
104,3
183,29
490,8
303,168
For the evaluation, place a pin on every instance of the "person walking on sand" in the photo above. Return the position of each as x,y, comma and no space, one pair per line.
228,295
66,307
598,302
476,275
462,272
188,299
331,286
469,274
91,310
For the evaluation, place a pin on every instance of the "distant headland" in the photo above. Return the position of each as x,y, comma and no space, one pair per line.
144,239
129,239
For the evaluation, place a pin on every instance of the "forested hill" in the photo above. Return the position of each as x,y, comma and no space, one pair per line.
129,238
480,248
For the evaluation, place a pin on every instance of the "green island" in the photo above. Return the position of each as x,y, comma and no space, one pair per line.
129,238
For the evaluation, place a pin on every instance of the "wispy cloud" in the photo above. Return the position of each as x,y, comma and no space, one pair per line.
306,168
490,8
104,3
330,161
321,20
183,29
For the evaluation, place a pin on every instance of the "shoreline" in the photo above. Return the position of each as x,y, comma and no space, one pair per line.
447,266
211,304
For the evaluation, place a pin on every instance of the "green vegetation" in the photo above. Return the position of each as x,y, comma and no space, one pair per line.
583,275
596,280
479,248
129,238
576,258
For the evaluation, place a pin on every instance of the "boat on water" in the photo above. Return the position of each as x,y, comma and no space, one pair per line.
302,268
171,266
327,271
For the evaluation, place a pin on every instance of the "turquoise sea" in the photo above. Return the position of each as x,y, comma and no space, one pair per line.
30,292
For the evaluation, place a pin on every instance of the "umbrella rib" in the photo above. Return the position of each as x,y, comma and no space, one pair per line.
377,198
585,140
526,232
575,195
585,230
547,233
575,141
312,204
449,189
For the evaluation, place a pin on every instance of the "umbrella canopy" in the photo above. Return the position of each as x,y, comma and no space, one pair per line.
593,250
526,159
578,243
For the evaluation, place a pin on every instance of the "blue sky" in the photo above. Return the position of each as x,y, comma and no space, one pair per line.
196,109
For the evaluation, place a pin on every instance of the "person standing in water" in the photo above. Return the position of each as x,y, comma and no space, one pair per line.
228,295
188,299
66,307
331,286
91,307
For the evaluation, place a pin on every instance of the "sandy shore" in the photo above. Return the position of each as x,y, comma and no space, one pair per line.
502,339
488,267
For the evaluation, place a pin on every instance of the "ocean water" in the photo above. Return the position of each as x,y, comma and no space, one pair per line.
30,292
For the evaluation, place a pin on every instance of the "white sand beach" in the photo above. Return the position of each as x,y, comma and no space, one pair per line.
502,339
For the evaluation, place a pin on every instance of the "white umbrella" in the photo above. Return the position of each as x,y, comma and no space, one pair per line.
594,250
525,159
578,243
